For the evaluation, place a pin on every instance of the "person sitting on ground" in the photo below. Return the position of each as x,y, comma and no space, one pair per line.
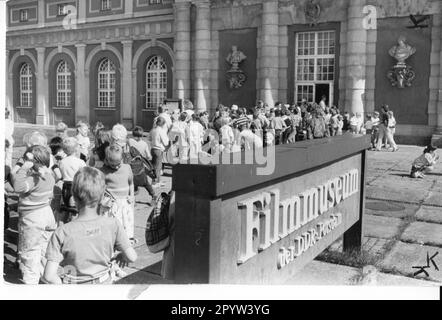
86,245
425,163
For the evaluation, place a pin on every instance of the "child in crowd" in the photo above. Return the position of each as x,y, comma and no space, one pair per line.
34,183
103,140
85,247
138,143
57,154
196,135
279,126
425,163
340,128
61,130
31,139
140,178
368,126
120,189
69,166
227,135
83,140
160,143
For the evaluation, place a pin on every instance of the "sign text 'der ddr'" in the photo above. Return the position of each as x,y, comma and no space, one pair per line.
265,219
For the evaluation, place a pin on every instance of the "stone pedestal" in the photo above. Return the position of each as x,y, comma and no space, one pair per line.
182,48
356,58
202,56
437,136
269,59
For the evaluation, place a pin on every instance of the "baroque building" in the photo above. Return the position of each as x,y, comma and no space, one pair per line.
118,60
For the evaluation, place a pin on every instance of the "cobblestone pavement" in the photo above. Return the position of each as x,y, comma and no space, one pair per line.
403,218
402,226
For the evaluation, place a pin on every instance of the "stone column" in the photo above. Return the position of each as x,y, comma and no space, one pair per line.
182,48
81,89
126,101
9,90
128,9
269,59
42,89
82,11
202,56
41,14
356,58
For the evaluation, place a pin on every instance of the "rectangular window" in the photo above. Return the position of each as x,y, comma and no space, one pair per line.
314,64
155,1
62,10
23,15
105,5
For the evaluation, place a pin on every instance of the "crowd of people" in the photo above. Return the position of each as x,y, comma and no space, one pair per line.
69,187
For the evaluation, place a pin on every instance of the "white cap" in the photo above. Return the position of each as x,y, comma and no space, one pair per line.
235,107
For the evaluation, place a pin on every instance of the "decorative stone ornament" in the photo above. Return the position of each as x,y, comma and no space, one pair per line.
235,76
312,12
401,75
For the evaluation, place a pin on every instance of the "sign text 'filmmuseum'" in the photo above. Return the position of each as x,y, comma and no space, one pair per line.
267,219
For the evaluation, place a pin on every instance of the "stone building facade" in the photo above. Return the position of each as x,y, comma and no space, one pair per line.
121,58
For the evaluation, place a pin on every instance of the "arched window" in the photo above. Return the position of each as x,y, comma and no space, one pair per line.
106,84
26,85
63,85
156,82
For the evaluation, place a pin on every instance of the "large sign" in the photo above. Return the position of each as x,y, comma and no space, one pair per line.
233,226
277,230
265,219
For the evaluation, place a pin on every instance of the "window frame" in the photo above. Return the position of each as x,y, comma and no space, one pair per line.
66,91
24,15
109,91
28,91
105,5
160,76
315,56
61,10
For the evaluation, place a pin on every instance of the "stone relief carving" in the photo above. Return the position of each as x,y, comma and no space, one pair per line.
235,76
401,75
312,12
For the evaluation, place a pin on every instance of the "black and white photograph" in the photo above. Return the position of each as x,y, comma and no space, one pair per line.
223,149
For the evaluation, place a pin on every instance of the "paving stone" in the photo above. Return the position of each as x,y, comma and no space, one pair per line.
326,274
403,257
390,209
423,233
430,214
434,199
399,193
147,261
381,227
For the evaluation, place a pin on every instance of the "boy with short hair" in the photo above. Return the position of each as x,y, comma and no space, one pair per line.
34,184
85,247
69,166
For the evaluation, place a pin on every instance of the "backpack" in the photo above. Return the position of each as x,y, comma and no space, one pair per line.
139,165
157,226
